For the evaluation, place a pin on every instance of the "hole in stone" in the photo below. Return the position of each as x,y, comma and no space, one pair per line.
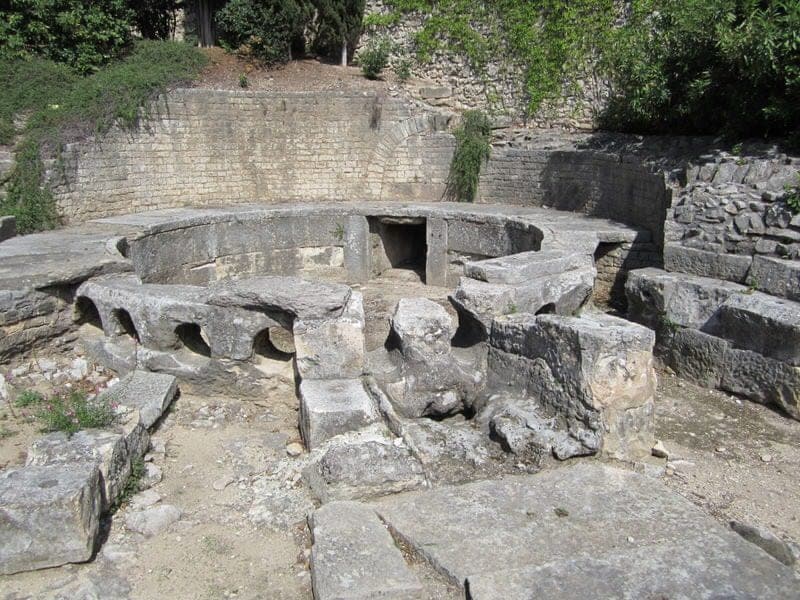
191,336
126,325
547,309
399,244
274,343
86,313
469,331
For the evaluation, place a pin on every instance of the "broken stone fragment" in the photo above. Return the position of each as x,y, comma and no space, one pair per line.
49,516
423,328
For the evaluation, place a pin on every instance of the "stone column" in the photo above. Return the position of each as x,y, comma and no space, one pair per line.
436,261
356,249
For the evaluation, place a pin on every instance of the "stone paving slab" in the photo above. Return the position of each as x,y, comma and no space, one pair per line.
355,558
521,525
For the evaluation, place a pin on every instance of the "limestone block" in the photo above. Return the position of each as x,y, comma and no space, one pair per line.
595,370
301,298
332,348
355,470
656,297
48,516
148,393
423,328
106,449
331,407
776,276
355,558
356,248
762,379
694,355
436,264
681,259
521,268
763,324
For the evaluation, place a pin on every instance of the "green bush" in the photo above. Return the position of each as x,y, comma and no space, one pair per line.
83,35
62,107
374,58
473,148
403,70
69,412
262,29
155,19
707,66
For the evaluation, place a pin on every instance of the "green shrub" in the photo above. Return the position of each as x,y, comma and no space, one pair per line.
403,70
155,19
83,35
707,66
262,29
793,197
28,398
473,148
374,58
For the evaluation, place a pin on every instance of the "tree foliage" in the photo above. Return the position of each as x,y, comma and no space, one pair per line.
83,35
707,66
473,148
339,23
155,19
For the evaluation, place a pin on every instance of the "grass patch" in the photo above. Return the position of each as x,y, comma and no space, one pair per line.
62,107
69,412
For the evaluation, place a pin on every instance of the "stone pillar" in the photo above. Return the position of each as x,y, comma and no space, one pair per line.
356,248
436,261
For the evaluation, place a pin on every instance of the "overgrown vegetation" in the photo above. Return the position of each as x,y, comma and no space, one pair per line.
674,66
338,28
793,197
132,485
473,148
374,58
60,105
69,412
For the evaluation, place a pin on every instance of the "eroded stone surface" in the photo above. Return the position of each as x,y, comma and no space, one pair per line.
559,530
333,406
49,516
354,557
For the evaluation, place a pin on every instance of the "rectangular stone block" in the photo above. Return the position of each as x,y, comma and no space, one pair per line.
333,406
356,248
332,348
355,558
436,264
776,276
763,324
762,379
693,355
731,267
48,516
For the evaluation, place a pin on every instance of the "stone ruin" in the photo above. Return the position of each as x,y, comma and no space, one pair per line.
444,429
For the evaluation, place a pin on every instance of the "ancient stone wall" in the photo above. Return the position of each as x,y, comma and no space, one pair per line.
498,87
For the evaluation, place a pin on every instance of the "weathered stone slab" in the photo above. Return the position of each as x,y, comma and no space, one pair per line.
762,379
776,276
106,449
354,557
356,248
565,526
436,265
48,516
595,370
763,324
333,406
731,267
521,268
423,328
564,293
149,393
303,299
657,298
360,469
332,348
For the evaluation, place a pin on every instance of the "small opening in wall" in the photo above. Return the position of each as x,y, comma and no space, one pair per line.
399,244
547,309
191,336
86,313
125,324
275,343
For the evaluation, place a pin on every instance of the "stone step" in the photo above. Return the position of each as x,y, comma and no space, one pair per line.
329,407
355,558
521,268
